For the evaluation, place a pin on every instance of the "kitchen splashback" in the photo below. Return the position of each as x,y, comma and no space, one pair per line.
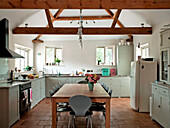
4,67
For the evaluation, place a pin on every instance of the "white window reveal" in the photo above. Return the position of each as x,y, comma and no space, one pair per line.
106,55
142,51
22,63
52,53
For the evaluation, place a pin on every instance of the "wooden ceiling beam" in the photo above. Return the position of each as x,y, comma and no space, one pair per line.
118,22
85,4
84,18
86,31
55,16
50,24
115,17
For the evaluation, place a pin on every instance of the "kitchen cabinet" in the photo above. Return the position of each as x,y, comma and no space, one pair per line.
119,85
161,104
53,81
38,91
9,107
124,58
165,39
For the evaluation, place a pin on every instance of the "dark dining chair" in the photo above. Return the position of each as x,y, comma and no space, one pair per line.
82,82
80,105
61,107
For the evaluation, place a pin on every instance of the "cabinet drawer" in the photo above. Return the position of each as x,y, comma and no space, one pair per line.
164,91
155,89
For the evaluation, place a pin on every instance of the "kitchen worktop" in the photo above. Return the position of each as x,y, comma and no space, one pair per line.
5,84
162,85
68,75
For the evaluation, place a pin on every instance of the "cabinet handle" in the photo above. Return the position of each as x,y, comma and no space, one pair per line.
164,91
159,106
155,88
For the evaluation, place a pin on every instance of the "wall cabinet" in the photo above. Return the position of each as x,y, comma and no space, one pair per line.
9,106
38,91
165,39
161,104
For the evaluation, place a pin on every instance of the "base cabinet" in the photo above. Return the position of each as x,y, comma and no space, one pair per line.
119,85
53,81
9,106
161,104
38,91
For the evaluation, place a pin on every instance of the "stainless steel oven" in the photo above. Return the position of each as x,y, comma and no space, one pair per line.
25,98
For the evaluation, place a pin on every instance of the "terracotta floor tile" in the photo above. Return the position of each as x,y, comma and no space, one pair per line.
122,116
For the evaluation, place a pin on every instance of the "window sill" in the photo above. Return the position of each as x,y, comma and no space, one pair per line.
105,65
54,65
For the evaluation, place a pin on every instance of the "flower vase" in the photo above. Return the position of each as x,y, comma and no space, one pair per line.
91,86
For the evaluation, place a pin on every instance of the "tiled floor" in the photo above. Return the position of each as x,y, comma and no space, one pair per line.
122,116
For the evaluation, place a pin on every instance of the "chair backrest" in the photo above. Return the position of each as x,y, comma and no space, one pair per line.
82,82
51,92
60,84
107,89
55,89
110,93
80,104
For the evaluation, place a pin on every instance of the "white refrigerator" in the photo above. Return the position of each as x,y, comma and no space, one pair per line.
142,74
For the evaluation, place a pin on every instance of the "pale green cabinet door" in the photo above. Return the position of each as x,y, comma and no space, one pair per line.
124,59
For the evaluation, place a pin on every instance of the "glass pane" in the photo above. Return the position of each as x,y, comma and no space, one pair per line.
165,65
49,55
26,59
147,52
100,55
109,56
18,61
59,53
22,60
143,53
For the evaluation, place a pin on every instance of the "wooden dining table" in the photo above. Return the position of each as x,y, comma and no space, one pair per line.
68,90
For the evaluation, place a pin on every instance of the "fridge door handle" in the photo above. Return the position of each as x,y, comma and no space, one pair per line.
142,67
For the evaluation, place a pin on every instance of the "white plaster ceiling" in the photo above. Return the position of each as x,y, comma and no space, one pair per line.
129,18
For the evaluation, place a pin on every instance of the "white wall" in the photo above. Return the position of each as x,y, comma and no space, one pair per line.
153,40
74,58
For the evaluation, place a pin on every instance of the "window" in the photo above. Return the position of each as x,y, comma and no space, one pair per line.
52,53
106,55
24,62
143,51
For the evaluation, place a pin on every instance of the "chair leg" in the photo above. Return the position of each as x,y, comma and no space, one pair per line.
90,122
73,122
87,121
69,122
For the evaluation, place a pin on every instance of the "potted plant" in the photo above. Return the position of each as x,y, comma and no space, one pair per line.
92,79
58,61
28,68
99,62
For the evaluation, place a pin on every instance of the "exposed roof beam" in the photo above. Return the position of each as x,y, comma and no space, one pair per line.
85,4
85,18
55,16
118,22
86,31
50,24
115,17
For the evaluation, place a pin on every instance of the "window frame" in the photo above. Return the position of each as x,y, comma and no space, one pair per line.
27,61
54,49
143,46
113,55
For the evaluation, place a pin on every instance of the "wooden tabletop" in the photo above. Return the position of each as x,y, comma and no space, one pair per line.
69,90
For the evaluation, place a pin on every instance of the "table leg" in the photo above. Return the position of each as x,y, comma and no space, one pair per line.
54,114
107,122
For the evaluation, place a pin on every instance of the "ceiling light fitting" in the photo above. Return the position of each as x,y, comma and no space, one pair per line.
80,33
